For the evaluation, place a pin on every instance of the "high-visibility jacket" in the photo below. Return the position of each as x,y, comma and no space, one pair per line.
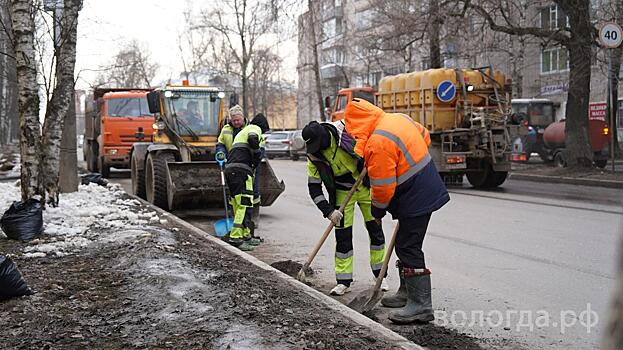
336,167
226,138
245,151
403,177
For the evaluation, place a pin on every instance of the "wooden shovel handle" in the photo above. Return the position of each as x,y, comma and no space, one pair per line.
329,228
388,255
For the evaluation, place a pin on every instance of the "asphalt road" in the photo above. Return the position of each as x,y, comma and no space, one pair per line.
531,264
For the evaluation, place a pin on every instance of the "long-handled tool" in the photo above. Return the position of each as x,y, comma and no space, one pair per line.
366,300
223,226
301,275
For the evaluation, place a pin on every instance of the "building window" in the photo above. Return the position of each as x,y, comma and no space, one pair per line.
552,17
363,19
554,60
338,26
328,28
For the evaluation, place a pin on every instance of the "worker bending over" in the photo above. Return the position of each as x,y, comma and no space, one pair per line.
404,182
244,157
332,162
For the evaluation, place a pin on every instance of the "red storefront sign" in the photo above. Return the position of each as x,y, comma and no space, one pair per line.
597,111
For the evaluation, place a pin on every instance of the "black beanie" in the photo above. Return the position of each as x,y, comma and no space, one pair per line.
261,121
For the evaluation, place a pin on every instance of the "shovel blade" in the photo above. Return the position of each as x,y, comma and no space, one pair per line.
366,300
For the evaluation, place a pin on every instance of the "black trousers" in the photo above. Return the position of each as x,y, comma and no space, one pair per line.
410,239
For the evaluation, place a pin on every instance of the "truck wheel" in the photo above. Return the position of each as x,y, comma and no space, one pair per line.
559,160
601,163
478,179
156,174
496,178
138,178
103,168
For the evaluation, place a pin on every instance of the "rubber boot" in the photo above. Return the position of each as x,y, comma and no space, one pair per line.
419,306
399,299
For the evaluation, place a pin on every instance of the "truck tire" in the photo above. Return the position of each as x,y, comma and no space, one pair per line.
559,160
478,179
486,177
156,175
496,178
103,168
138,177
601,163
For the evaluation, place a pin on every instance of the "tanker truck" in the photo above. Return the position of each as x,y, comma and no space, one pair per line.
467,112
598,133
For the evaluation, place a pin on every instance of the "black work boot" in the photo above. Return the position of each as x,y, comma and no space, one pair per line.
399,299
419,306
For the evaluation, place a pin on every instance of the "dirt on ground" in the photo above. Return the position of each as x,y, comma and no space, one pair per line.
292,268
165,289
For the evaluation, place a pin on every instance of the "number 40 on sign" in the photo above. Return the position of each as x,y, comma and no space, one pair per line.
610,35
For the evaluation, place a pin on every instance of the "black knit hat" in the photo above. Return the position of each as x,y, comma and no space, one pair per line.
261,121
315,137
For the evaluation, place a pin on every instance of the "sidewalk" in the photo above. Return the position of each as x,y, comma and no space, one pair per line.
541,172
111,272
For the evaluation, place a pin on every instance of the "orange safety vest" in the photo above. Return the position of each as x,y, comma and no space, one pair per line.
394,146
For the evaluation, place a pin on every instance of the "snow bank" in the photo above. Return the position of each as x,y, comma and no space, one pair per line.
94,214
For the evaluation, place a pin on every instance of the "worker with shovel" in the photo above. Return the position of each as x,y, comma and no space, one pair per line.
244,157
332,162
404,182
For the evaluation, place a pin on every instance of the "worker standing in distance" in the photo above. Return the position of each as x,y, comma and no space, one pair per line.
404,182
244,157
237,121
331,161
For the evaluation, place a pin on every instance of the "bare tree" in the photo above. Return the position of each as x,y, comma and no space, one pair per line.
40,151
131,67
9,118
242,23
263,82
577,36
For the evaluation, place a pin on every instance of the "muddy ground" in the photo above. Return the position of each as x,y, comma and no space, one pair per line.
165,289
547,169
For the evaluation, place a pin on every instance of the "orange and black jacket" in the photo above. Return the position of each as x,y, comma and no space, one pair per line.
403,177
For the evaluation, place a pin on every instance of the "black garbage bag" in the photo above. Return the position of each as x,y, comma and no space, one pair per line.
23,220
93,178
11,282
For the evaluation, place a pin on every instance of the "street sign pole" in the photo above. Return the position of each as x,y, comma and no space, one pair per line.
611,36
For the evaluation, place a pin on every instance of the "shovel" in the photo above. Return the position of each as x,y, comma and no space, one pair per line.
366,300
301,275
223,226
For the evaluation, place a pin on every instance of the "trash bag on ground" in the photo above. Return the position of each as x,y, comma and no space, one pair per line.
23,220
11,282
95,178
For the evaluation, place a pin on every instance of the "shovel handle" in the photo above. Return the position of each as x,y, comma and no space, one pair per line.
329,228
388,255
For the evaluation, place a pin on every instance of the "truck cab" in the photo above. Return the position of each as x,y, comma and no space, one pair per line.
116,119
336,109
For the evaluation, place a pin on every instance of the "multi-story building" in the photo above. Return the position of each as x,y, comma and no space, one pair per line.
345,28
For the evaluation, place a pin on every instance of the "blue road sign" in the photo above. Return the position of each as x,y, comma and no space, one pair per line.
446,91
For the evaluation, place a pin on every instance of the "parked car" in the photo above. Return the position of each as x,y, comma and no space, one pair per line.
297,145
278,144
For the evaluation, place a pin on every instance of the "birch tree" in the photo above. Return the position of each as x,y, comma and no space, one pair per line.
40,148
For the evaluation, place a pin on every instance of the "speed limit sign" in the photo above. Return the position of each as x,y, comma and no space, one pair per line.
610,35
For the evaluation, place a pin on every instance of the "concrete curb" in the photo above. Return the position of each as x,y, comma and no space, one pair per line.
567,180
376,329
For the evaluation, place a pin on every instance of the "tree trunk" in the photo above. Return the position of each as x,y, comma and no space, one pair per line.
9,116
314,41
58,106
434,34
22,17
579,153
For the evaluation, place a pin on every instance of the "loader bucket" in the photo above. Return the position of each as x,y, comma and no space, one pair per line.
197,184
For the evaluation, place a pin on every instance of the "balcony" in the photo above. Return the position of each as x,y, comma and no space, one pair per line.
332,71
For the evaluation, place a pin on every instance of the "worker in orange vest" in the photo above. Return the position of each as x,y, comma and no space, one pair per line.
404,182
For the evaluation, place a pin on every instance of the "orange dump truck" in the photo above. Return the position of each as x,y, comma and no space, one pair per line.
467,112
115,119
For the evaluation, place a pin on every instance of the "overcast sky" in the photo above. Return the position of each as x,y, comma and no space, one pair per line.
105,25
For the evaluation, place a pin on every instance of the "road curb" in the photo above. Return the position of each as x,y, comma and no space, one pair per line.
567,180
376,329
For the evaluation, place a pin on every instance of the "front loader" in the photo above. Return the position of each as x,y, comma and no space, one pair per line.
177,170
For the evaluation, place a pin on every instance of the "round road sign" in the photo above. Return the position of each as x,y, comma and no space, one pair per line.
610,35
446,91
